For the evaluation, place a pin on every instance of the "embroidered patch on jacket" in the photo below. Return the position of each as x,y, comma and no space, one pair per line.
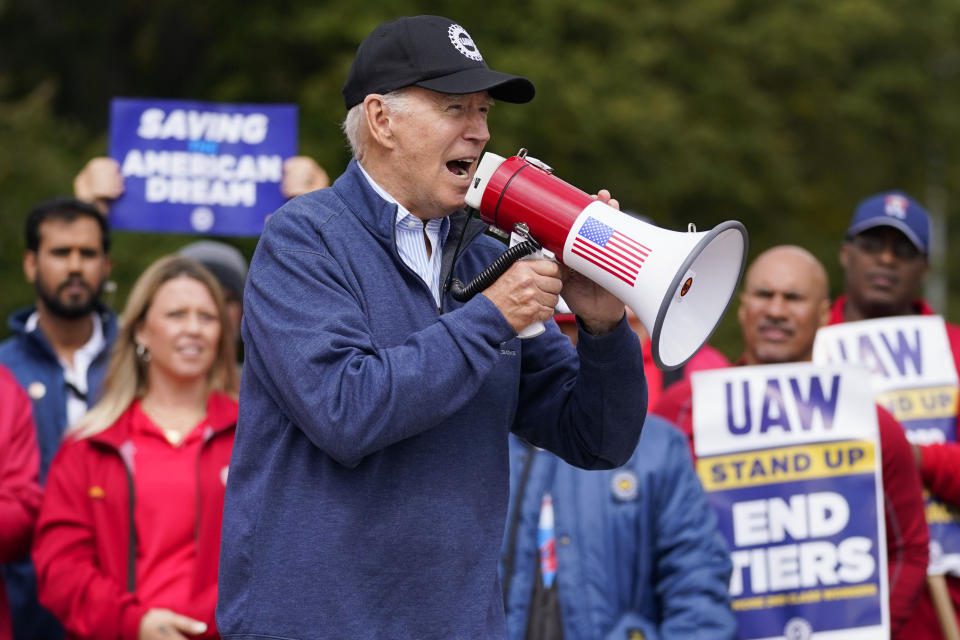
96,492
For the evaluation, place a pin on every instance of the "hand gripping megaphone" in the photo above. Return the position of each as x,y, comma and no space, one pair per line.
677,283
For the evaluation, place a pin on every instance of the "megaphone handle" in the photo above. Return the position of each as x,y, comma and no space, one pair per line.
532,331
535,329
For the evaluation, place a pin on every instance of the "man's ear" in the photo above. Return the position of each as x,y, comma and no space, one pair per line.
30,266
844,255
379,121
824,312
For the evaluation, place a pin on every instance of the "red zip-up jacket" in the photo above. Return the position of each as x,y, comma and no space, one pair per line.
19,491
85,545
940,472
908,538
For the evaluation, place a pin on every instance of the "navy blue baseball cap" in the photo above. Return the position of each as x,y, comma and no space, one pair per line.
893,209
431,52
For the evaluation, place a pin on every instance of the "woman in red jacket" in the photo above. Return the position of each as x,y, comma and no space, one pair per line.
128,538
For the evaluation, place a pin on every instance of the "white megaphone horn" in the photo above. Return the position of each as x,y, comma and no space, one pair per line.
677,283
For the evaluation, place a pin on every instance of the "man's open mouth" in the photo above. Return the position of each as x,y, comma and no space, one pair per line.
460,167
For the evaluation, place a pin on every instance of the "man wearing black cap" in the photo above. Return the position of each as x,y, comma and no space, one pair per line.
884,258
369,479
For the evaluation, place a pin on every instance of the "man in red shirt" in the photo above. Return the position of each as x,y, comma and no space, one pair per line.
885,260
785,299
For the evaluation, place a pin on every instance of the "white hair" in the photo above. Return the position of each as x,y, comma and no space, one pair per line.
354,125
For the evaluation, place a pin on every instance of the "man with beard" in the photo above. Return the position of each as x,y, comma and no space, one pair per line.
58,353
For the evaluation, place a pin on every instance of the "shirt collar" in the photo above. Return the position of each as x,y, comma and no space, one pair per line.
442,225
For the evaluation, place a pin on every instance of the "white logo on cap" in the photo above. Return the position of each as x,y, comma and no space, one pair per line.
896,207
463,42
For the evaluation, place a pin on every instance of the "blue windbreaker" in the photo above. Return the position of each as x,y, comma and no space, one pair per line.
638,552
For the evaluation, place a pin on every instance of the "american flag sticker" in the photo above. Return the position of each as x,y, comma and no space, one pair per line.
610,250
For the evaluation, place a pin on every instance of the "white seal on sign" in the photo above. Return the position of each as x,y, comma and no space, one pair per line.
201,219
797,629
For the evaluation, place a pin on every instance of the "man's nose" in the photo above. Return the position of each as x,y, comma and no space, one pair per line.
478,129
777,307
75,262
887,255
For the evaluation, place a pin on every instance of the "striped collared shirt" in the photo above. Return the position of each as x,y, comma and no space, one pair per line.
409,232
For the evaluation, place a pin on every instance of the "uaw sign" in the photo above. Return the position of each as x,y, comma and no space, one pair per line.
199,167
789,457
914,377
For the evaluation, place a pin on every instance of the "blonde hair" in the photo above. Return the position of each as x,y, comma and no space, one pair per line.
126,377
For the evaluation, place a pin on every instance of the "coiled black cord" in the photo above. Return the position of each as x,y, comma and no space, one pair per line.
489,275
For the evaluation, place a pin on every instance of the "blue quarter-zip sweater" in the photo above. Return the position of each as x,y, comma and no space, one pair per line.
369,479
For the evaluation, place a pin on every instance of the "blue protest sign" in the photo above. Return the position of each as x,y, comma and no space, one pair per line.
912,372
199,167
789,457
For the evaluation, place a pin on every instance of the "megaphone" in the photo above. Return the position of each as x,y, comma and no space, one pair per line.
677,283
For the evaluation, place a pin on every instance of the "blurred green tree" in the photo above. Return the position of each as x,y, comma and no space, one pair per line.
782,115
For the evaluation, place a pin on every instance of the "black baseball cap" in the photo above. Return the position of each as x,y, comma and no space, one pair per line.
431,52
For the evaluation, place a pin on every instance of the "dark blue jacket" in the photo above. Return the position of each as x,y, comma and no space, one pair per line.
36,366
637,547
368,485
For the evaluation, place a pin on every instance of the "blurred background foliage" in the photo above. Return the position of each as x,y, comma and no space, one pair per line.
780,114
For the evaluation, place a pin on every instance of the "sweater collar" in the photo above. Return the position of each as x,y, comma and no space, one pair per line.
379,216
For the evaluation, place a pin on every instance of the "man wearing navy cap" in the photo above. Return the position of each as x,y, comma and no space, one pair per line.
885,260
369,480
